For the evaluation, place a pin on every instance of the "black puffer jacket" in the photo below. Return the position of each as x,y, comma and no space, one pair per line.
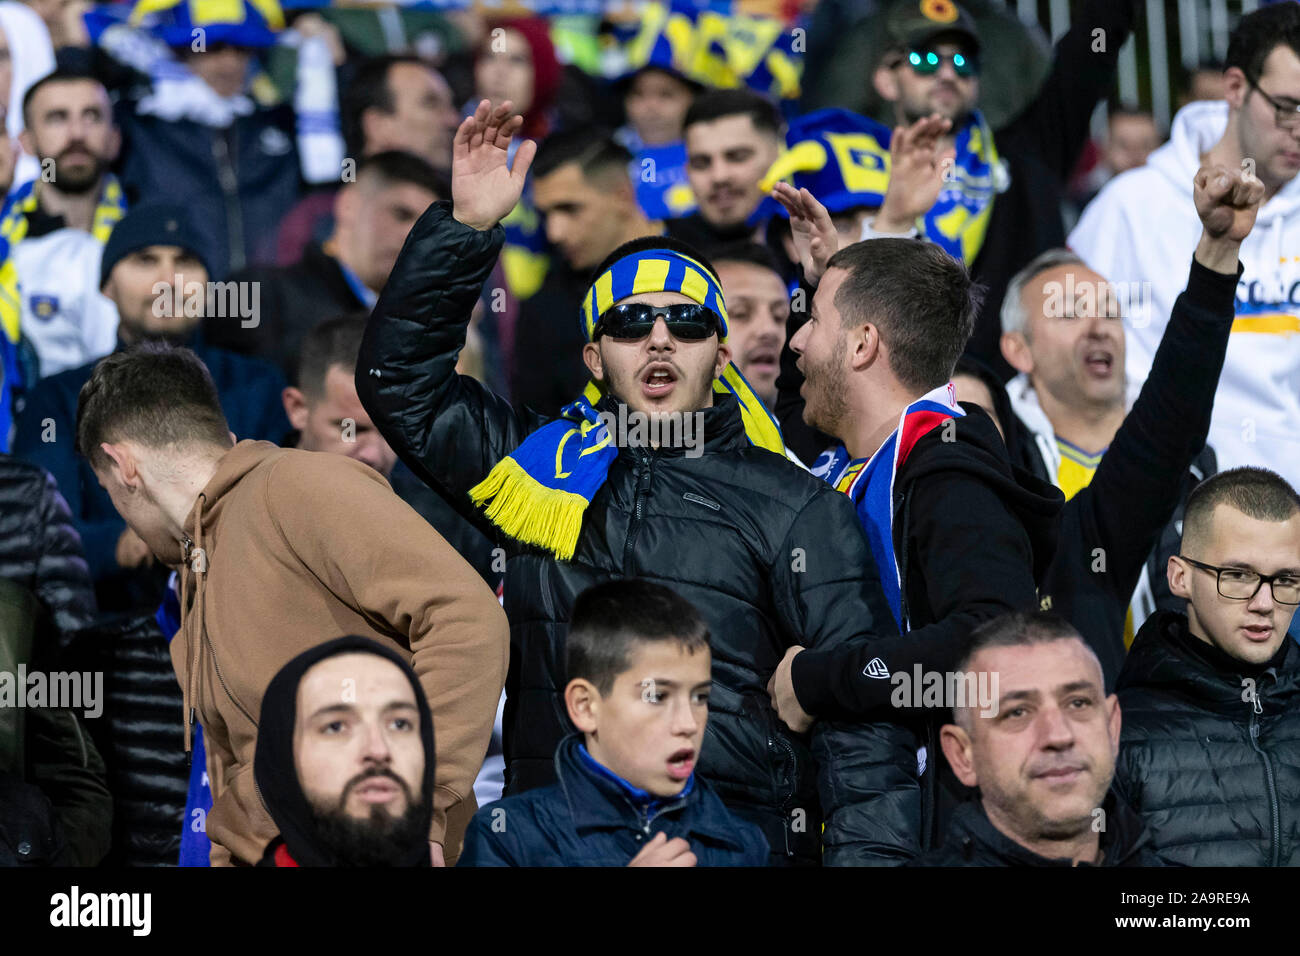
40,549
1213,769
770,555
972,840
141,735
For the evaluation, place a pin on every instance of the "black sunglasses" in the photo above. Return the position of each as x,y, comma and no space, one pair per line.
635,320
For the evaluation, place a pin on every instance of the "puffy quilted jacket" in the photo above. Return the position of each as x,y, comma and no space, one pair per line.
771,556
1210,758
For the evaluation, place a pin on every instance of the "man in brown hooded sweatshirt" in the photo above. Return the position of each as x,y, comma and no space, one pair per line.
280,550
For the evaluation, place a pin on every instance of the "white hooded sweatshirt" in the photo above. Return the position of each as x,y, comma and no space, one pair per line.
1141,232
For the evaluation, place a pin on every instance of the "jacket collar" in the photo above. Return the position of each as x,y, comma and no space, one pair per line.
600,800
1165,655
972,834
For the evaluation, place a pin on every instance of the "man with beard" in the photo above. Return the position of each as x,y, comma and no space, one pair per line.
991,198
960,534
345,759
66,216
1040,744
151,253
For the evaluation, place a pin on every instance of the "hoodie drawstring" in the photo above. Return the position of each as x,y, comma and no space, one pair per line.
196,560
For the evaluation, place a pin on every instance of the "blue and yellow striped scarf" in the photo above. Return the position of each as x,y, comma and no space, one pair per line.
21,203
539,493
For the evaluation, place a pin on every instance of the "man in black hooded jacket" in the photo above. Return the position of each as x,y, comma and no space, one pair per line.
771,556
345,758
959,530
1210,753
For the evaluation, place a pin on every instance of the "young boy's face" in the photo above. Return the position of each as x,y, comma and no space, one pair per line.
648,729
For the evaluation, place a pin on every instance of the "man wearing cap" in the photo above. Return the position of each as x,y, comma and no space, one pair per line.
991,198
154,260
767,554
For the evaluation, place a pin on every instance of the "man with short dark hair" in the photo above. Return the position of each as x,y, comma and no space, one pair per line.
60,221
278,550
1210,754
582,187
758,305
1039,743
1256,128
155,272
959,532
732,137
371,218
347,776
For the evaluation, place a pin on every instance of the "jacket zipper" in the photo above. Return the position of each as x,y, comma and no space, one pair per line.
643,477
1274,810
229,180
794,781
217,667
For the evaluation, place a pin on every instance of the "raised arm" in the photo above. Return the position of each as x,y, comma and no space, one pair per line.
449,429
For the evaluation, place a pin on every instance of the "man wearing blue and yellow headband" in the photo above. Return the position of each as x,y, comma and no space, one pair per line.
772,557
990,197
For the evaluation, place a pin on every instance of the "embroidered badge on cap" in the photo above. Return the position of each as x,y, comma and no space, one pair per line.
940,11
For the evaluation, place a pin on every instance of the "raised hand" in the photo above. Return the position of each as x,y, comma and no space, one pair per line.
483,188
917,162
1227,200
811,227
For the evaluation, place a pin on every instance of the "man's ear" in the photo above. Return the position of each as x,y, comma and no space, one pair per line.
591,356
1178,575
345,203
1015,349
295,407
114,144
1235,87
721,360
124,466
885,81
865,346
28,142
582,700
1113,721
956,745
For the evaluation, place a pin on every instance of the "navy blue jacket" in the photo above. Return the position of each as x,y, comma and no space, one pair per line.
249,390
589,819
238,182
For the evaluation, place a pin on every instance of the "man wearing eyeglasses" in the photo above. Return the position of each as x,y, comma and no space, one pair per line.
667,467
1141,227
991,198
1210,749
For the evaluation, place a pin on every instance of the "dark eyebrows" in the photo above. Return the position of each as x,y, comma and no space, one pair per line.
333,709
1077,685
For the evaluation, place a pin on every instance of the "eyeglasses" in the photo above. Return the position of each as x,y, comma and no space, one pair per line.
635,320
926,62
1239,584
1287,117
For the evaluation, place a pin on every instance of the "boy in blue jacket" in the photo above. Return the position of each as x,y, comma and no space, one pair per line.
638,662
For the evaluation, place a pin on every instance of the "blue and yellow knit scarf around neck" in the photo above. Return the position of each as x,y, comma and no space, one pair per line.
959,218
539,493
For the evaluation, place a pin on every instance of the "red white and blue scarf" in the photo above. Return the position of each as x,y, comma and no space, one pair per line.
870,482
